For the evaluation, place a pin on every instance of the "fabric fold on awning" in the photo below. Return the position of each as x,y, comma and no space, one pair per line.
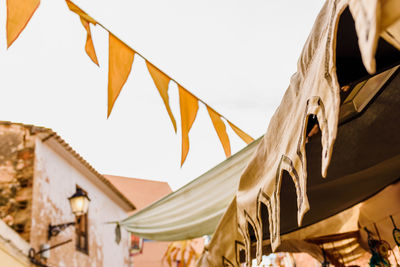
195,209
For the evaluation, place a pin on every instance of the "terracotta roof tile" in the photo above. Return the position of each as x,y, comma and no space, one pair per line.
141,192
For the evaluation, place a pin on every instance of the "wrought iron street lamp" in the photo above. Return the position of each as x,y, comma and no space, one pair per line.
79,203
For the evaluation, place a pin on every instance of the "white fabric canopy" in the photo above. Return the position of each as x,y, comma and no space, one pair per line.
195,209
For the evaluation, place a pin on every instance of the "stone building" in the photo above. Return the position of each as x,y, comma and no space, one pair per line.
38,172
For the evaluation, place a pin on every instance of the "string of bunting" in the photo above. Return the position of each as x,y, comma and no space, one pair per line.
121,58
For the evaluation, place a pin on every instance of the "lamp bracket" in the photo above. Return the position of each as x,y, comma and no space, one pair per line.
54,230
32,253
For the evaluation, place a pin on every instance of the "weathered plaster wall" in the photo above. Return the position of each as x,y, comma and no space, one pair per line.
13,249
16,175
55,180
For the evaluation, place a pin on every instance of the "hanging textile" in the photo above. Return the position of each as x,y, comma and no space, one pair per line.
314,91
195,209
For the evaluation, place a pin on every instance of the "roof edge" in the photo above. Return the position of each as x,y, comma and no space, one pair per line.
46,133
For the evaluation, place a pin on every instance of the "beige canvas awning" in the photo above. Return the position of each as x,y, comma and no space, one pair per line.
282,191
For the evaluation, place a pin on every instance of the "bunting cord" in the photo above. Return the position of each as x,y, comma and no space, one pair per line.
121,58
172,79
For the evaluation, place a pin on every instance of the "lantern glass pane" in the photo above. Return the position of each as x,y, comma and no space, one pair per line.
79,205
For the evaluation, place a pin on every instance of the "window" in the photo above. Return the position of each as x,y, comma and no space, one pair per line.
136,245
81,229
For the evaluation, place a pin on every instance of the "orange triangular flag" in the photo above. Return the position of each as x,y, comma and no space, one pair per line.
168,253
89,47
74,8
189,106
162,82
175,256
120,59
221,130
85,19
191,256
245,137
19,12
183,251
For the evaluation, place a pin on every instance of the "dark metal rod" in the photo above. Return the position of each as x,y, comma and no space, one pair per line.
391,218
54,230
376,229
368,231
56,245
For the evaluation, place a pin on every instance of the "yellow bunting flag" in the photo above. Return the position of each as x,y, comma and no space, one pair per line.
185,248
19,12
89,47
183,251
168,254
162,82
120,59
175,256
85,19
189,106
192,254
221,130
74,8
245,137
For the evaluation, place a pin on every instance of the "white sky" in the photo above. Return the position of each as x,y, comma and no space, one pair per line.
237,56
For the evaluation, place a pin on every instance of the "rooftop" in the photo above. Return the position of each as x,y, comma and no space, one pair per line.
141,192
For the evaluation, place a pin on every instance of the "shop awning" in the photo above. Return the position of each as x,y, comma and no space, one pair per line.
195,209
301,184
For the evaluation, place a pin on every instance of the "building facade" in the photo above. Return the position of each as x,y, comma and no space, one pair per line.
38,173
